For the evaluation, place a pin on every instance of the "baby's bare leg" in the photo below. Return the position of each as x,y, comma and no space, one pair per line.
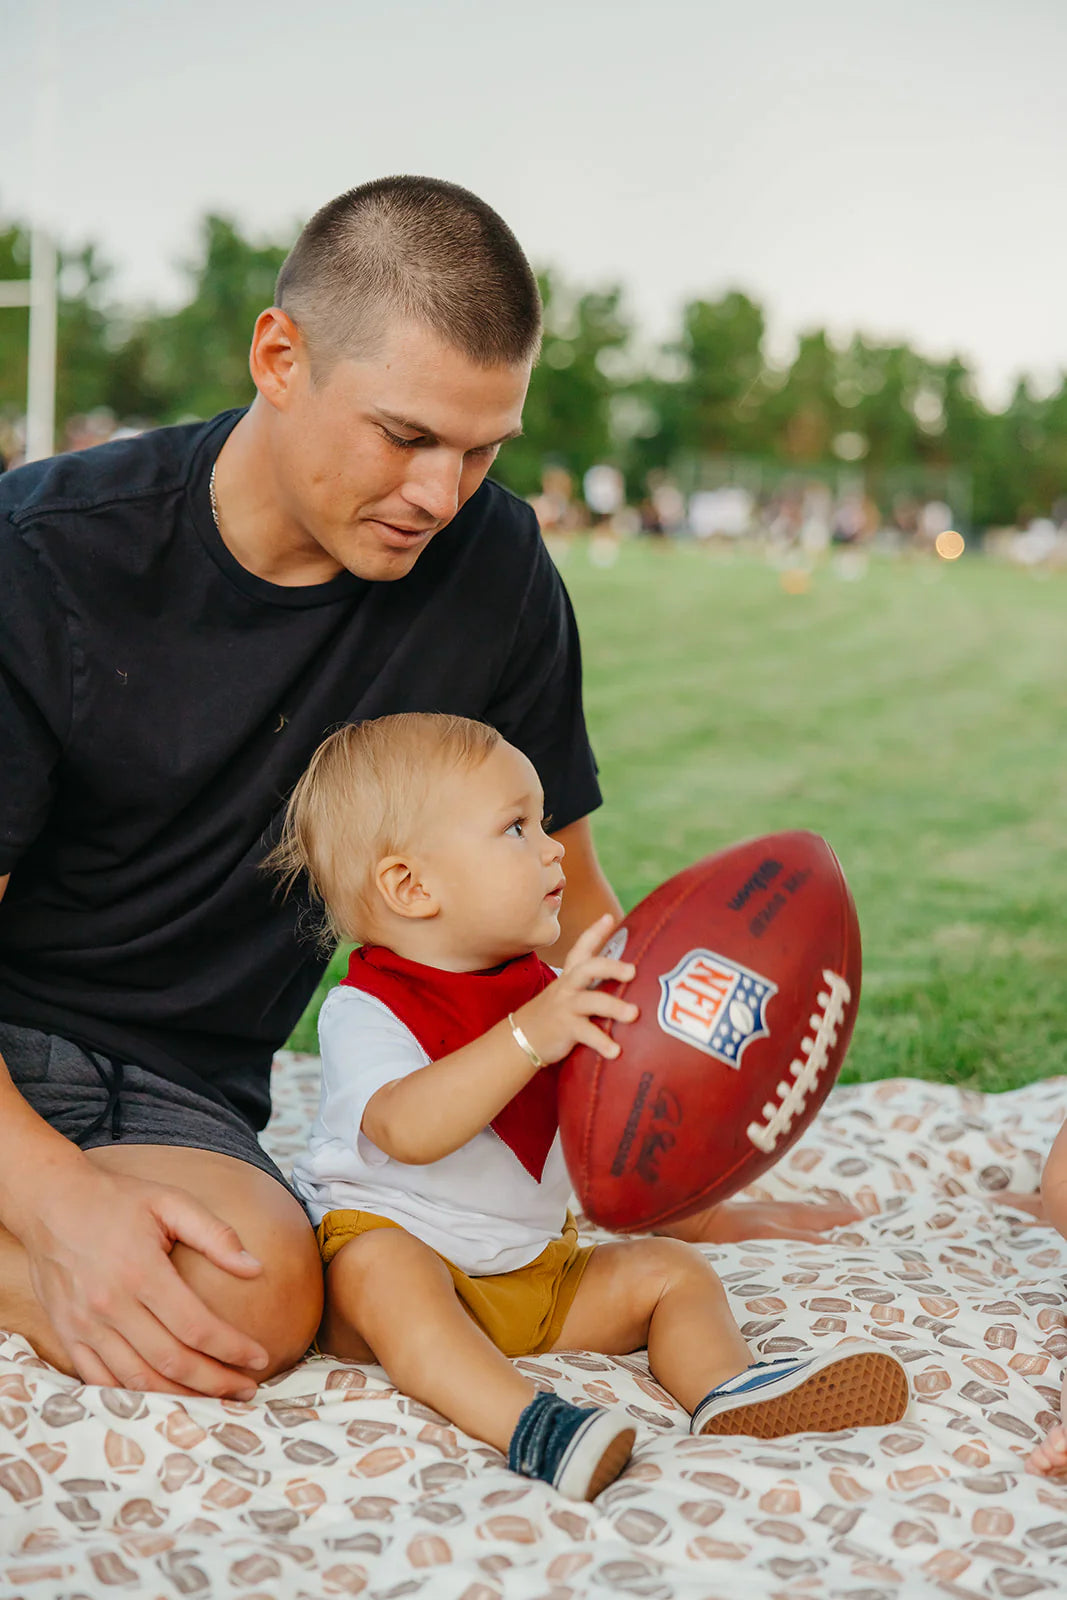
662,1293
390,1298
1049,1459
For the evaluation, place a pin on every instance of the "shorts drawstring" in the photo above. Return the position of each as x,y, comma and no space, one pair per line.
111,1076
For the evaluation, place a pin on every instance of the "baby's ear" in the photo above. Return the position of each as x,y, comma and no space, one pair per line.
400,886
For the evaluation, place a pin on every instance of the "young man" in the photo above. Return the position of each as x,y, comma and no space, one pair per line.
182,617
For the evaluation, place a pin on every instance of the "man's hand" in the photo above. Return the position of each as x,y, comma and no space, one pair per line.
763,1219
99,1259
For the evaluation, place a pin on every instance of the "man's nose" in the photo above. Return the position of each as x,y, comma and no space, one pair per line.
433,486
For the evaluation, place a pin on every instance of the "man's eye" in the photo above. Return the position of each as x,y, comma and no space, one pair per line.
400,442
516,827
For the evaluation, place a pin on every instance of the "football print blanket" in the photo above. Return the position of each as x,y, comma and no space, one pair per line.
332,1484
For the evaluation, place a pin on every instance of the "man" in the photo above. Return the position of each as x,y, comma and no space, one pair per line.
182,617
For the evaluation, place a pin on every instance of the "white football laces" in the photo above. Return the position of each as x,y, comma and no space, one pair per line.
804,1072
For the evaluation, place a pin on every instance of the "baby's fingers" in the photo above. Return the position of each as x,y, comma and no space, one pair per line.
588,943
594,1003
603,969
588,1033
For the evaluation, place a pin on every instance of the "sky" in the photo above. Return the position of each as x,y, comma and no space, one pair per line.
890,168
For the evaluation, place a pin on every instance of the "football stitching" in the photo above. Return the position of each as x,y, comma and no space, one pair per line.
804,1069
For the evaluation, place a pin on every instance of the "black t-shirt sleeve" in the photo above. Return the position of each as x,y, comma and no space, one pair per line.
35,694
538,702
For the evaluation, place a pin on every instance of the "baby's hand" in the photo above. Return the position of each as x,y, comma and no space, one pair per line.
559,1018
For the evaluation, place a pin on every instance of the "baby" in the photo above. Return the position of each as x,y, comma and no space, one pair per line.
434,1170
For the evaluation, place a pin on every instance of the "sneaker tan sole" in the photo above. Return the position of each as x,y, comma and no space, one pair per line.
611,1462
867,1390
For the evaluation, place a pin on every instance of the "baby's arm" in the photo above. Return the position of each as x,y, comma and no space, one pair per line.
431,1112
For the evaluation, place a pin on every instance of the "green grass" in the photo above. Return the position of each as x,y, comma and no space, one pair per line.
916,718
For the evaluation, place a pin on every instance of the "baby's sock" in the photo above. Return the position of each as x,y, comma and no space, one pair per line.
579,1450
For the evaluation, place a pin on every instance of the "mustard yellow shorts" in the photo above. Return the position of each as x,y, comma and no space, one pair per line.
523,1312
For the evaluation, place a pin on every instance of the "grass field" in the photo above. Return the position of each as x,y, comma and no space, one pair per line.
914,717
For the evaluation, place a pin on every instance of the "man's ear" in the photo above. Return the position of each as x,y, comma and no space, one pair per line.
400,886
278,353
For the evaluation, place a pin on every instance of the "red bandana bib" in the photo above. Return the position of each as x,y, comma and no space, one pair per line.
446,1010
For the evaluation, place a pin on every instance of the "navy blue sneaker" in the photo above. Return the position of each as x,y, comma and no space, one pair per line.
855,1385
579,1450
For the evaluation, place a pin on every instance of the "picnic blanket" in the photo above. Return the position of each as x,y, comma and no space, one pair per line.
332,1483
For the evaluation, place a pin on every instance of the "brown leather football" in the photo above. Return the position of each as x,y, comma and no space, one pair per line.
748,979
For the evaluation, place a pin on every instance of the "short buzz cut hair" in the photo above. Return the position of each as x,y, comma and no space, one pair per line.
415,249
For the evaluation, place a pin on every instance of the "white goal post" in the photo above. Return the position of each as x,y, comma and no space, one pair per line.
39,293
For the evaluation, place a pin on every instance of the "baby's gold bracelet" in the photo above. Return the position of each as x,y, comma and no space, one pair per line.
523,1043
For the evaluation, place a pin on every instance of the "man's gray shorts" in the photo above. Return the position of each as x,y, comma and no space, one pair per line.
93,1101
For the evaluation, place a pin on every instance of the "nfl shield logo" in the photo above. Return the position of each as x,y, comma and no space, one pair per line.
715,1005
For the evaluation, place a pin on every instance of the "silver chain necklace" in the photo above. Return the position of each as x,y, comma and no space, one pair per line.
212,497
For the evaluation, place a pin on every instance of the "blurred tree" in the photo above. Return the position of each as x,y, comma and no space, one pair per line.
1016,445
84,350
14,322
715,404
964,419
567,419
964,438
705,393
802,415
136,392
886,415
196,359
1052,479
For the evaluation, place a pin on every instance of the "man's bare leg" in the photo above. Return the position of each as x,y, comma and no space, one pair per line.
735,1220
280,1307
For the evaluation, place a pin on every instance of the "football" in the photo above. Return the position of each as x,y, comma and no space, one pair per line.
748,979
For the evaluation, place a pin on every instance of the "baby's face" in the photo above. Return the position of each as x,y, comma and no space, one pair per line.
494,870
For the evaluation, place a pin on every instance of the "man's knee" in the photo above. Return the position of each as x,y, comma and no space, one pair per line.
282,1306
293,1310
286,1315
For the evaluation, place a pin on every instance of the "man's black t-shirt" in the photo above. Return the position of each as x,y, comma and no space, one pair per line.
157,704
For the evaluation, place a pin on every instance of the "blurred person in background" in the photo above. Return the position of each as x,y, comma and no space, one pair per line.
11,446
83,432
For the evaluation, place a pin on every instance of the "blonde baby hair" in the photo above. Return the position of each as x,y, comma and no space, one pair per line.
360,799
